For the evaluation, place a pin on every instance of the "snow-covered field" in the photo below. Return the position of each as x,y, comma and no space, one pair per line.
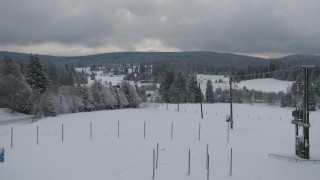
258,131
266,85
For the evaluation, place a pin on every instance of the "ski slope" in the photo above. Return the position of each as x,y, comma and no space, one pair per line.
258,131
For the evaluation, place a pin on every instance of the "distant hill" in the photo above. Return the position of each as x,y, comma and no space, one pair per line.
300,57
135,57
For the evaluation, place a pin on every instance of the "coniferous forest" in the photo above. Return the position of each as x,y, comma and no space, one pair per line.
49,85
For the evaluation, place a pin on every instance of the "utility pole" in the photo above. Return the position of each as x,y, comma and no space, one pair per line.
231,112
301,118
305,110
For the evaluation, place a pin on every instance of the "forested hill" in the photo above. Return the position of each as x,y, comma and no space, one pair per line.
136,57
202,62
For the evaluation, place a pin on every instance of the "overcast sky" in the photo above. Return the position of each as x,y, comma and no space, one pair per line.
80,27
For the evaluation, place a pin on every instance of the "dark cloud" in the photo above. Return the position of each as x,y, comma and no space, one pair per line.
240,26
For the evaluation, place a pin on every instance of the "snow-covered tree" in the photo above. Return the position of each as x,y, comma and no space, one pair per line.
36,76
15,93
209,92
165,85
131,94
194,92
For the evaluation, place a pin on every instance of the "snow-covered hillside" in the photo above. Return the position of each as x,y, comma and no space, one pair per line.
266,85
259,130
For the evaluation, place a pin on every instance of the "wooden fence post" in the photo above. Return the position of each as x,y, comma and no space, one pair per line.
153,163
231,163
90,130
118,129
62,137
207,156
144,130
199,135
208,169
37,135
189,162
11,137
157,156
171,130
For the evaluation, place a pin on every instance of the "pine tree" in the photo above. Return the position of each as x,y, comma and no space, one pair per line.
17,92
178,89
312,98
194,92
209,92
36,76
165,86
131,94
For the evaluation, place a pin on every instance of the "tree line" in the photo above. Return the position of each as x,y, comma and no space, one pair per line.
49,90
184,88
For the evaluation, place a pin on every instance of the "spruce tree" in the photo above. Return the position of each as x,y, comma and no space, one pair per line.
209,92
194,92
36,76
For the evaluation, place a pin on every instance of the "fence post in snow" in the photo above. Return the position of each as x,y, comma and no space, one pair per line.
153,163
118,129
157,156
144,130
90,130
11,137
231,163
62,133
171,130
199,136
189,164
208,165
37,135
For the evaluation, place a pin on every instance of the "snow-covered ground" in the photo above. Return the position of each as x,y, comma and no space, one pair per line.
266,85
258,131
7,117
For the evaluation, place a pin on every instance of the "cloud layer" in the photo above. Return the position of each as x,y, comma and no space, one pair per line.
77,27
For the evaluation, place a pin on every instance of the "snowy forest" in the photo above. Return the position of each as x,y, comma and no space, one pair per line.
51,90
52,86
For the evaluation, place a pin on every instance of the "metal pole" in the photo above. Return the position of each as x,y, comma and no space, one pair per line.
306,114
208,169
157,156
37,135
207,163
201,101
11,137
153,163
228,132
231,163
90,130
199,136
62,133
171,130
178,101
118,128
144,130
189,163
231,112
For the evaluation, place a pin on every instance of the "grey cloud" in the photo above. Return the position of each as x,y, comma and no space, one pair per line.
241,26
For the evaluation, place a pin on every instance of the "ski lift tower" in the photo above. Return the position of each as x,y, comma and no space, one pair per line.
301,119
